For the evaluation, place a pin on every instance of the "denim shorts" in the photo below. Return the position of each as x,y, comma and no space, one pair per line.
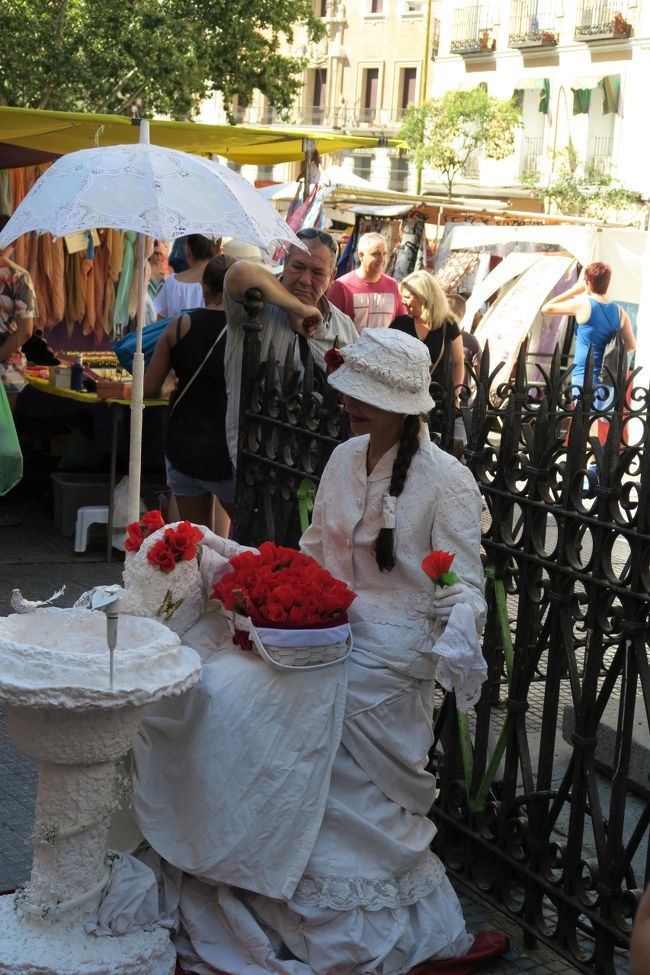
184,486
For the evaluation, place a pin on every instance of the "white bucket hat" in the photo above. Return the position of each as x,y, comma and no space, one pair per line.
385,368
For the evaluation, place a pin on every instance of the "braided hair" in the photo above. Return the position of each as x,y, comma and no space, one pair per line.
384,546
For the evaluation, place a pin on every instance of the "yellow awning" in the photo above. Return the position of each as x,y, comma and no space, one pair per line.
62,132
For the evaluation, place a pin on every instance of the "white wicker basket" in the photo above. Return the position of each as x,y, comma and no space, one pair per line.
335,647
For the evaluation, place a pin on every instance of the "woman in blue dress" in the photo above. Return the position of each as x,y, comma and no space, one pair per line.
597,319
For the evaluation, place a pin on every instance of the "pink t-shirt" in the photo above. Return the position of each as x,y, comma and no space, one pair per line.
369,304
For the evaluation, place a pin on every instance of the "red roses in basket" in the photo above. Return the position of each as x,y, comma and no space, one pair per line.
283,586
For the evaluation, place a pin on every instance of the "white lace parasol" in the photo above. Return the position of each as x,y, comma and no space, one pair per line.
157,192
162,193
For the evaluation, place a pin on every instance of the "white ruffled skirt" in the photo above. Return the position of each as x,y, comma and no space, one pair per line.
291,813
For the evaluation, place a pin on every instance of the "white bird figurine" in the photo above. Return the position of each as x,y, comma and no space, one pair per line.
21,605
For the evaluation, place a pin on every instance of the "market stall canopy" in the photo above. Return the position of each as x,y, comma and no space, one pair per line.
620,247
57,133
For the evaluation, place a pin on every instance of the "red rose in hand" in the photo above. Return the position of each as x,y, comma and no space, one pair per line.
135,537
162,556
333,359
183,540
152,521
437,566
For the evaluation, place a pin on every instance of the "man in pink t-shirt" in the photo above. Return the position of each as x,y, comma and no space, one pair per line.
371,298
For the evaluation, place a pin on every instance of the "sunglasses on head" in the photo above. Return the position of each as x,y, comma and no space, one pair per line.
310,233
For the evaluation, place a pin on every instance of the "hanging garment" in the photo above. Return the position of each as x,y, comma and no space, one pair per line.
121,312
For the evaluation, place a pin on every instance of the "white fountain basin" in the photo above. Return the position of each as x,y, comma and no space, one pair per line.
64,713
58,658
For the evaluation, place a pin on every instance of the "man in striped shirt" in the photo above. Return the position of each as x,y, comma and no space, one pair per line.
294,305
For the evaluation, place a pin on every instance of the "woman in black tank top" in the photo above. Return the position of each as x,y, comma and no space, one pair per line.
198,466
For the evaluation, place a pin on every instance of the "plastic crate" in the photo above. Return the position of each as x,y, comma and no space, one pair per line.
74,491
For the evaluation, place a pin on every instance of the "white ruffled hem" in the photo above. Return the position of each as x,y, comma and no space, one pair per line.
345,894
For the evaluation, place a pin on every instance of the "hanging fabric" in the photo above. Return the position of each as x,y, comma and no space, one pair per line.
610,86
121,312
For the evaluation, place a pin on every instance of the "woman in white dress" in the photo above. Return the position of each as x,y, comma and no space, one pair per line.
182,292
290,809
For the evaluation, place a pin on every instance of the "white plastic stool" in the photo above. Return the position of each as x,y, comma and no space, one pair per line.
86,517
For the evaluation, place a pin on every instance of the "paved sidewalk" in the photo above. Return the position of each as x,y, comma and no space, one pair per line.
38,560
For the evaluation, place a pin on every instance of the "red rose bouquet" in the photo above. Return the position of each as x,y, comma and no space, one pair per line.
437,565
284,598
137,531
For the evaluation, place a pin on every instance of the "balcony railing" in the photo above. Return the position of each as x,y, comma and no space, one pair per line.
599,156
532,24
314,115
599,20
367,116
532,159
473,30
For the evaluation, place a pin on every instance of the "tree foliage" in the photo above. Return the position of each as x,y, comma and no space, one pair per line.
443,133
160,56
579,190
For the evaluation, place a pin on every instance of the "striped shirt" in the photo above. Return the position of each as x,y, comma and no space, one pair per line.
276,329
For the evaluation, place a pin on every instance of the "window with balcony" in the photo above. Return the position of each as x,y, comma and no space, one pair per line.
398,179
472,30
532,24
370,96
408,89
599,153
316,113
601,124
601,20
532,156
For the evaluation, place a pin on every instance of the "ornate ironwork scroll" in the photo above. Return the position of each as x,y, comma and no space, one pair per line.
532,814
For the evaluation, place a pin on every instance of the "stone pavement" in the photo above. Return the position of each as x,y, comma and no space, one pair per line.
38,560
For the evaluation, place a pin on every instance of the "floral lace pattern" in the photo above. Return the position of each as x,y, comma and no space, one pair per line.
347,893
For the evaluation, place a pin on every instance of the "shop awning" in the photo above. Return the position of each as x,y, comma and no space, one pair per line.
542,85
56,133
583,86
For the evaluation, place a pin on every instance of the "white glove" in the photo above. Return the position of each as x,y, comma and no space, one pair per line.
446,597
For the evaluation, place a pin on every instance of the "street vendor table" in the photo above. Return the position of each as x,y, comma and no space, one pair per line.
117,412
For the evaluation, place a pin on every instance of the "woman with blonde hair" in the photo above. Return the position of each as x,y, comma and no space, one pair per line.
430,319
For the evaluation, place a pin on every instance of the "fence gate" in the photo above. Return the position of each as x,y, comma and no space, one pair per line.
541,811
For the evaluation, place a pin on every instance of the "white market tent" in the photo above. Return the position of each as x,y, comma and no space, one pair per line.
625,249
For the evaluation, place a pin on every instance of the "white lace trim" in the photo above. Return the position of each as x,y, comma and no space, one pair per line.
347,893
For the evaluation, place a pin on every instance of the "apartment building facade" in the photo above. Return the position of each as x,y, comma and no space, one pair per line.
579,71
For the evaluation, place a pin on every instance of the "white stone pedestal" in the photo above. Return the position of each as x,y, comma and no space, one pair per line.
63,714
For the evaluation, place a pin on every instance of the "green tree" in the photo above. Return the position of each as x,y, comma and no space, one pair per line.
443,133
163,56
578,190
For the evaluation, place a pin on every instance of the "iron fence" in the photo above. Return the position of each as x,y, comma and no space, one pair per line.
536,812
